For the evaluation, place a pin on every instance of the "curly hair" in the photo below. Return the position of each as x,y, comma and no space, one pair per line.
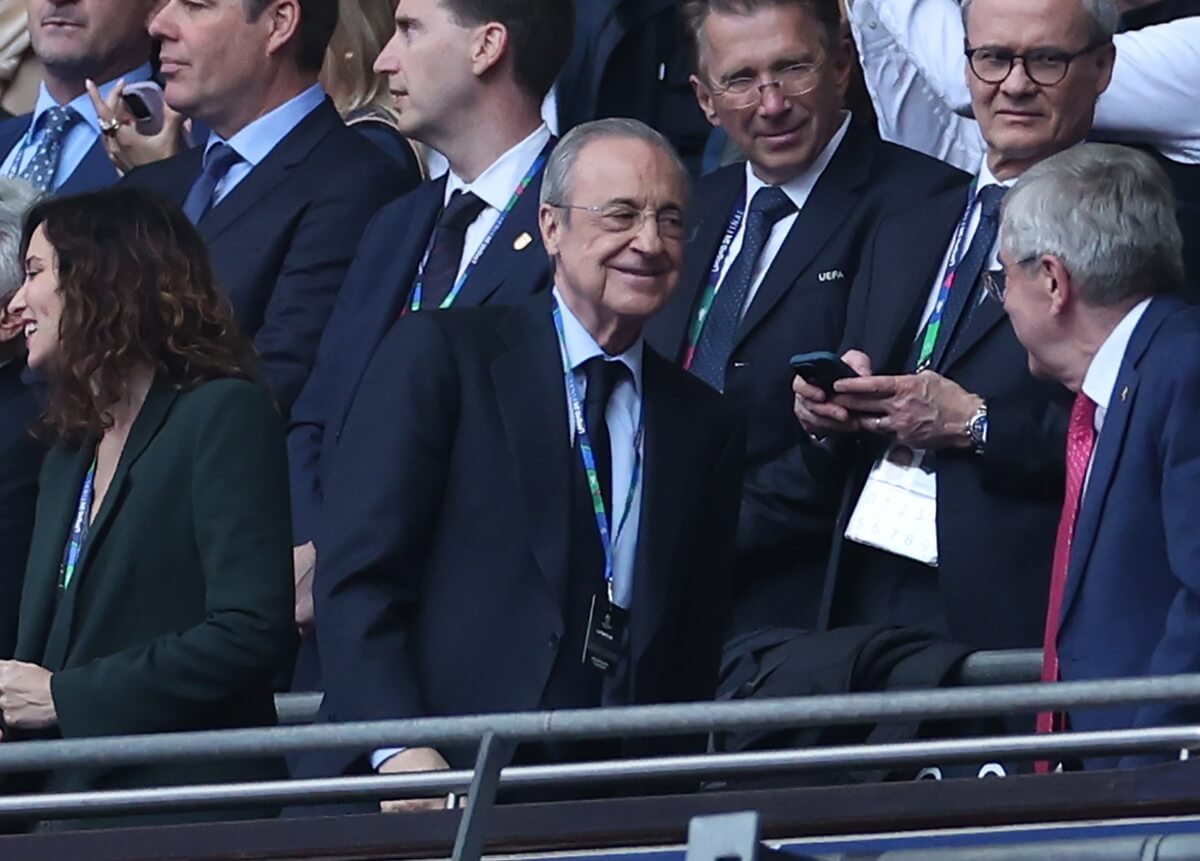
138,290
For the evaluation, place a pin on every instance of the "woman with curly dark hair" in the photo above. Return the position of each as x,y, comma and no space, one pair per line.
158,593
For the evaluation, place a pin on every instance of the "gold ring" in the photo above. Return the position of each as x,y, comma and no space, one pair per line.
110,126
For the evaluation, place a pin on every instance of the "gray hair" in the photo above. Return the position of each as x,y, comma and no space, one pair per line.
16,197
556,184
1105,15
1107,213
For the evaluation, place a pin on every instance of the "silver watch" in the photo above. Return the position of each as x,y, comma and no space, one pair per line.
977,428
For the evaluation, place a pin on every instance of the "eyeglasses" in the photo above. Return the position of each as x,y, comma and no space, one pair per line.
1044,66
995,281
621,218
744,91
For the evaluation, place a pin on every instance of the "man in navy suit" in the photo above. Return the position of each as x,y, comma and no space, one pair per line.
282,189
58,147
773,75
20,454
1091,254
946,453
469,80
518,486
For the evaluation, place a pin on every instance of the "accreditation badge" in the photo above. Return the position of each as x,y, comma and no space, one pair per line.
897,511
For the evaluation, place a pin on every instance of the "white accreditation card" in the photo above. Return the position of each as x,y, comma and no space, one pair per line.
897,511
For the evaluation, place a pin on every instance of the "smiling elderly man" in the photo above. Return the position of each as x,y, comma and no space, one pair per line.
531,509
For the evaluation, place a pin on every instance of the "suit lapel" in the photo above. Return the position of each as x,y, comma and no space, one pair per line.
410,246
503,254
532,401
668,461
271,171
981,319
833,198
715,202
12,131
94,172
1108,448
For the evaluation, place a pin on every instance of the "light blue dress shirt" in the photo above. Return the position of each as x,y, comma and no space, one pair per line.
255,142
80,138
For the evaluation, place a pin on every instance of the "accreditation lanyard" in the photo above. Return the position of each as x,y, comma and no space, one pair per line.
79,529
607,540
518,193
714,277
958,250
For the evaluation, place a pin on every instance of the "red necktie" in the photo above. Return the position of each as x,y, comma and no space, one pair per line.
1081,439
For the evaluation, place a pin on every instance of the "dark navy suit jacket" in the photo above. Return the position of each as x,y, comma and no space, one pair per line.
20,460
94,172
513,267
283,238
1132,602
800,306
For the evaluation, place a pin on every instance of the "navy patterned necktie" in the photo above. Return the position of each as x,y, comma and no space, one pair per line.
217,161
445,255
43,164
769,206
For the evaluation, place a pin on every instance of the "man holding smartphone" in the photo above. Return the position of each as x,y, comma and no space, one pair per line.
58,147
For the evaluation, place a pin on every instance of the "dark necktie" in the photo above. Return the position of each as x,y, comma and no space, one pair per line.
967,273
217,161
602,378
445,255
43,164
770,205
1081,441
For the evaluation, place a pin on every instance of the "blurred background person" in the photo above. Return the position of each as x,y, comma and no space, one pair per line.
20,71
20,454
158,594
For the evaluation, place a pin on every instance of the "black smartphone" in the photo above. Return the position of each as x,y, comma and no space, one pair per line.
821,369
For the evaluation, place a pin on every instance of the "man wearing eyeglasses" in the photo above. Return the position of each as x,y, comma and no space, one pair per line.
530,509
951,451
776,240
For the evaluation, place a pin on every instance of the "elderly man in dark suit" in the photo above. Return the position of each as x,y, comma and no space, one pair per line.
777,239
20,454
281,190
468,238
519,486
1091,253
58,146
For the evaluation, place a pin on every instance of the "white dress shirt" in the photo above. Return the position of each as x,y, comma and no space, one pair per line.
912,58
623,414
495,187
1105,367
798,191
78,140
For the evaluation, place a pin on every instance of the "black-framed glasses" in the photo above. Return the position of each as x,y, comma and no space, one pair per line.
995,281
623,218
745,91
1044,66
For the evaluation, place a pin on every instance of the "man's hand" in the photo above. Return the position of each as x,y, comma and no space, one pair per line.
304,564
406,762
923,410
822,416
25,698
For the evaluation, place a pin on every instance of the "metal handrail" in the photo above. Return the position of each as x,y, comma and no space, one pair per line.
432,784
599,723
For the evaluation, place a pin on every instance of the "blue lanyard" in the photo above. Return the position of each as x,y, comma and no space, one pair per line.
714,277
518,193
79,529
958,250
607,541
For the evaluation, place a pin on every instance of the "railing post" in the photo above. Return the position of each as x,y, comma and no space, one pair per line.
494,753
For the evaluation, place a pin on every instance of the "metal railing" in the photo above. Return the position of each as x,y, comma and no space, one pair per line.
499,733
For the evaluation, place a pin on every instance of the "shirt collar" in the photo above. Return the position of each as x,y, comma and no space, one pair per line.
1105,366
82,105
255,141
581,346
495,185
799,188
985,177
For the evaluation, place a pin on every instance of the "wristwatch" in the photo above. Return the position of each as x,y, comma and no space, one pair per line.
977,428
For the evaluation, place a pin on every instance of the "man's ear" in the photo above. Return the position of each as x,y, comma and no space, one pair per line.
704,97
489,47
1059,285
284,25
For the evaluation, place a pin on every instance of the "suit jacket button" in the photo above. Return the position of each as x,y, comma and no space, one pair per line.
553,642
